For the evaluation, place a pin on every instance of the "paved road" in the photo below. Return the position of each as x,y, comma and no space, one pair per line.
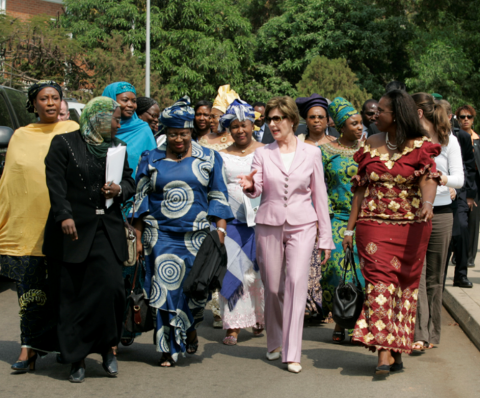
329,370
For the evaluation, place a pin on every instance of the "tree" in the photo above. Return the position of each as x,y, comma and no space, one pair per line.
331,78
196,46
359,31
39,49
114,62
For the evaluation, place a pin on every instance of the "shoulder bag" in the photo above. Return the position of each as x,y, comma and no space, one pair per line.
348,296
131,241
140,315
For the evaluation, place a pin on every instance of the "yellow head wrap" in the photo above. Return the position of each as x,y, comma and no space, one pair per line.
224,98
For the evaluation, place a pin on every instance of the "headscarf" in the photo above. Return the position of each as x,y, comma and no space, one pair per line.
36,88
180,115
224,98
144,104
238,110
133,131
96,125
304,104
340,110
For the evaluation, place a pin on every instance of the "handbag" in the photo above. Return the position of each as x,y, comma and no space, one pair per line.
348,296
140,315
131,241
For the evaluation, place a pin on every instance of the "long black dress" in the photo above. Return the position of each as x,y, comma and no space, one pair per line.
87,273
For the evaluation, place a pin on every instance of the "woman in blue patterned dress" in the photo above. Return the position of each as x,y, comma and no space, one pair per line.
339,169
180,190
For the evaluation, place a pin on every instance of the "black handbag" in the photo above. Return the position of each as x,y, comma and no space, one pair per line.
348,297
140,316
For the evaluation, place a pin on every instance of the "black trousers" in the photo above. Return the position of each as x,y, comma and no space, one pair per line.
460,239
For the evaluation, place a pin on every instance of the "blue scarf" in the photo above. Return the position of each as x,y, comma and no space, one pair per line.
133,131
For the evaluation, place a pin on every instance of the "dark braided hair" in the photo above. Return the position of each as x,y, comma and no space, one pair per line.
144,104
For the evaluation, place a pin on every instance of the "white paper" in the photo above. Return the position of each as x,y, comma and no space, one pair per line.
114,169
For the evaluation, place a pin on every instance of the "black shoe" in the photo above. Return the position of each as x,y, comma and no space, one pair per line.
110,364
396,367
471,264
60,359
463,282
25,366
382,370
77,373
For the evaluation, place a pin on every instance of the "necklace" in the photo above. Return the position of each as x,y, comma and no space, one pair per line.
390,146
224,137
346,146
242,150
315,142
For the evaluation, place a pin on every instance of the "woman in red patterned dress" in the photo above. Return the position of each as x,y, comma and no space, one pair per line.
392,210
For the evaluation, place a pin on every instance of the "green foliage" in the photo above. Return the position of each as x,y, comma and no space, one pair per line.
39,49
373,44
331,78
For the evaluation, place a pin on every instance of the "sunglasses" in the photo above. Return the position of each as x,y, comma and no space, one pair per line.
466,116
276,119
315,117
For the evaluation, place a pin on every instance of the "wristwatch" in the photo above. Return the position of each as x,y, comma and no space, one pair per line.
119,193
222,230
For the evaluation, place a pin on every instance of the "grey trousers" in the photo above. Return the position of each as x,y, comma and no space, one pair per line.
429,305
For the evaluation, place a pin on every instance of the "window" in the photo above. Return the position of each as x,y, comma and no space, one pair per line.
19,101
5,119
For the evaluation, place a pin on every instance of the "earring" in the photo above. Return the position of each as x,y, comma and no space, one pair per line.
394,120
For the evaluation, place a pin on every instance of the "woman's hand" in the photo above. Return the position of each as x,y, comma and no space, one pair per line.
427,212
68,228
221,236
471,203
246,181
139,244
453,193
347,242
111,191
327,254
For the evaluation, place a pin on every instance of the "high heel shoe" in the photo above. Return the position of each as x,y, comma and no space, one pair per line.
25,366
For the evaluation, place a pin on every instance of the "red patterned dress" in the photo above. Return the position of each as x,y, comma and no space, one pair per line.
392,241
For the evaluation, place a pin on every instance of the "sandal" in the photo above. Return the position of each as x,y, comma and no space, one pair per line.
257,331
166,360
418,346
338,336
192,346
230,340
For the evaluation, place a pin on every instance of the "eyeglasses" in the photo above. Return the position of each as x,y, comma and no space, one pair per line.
382,111
371,113
275,119
466,116
155,116
181,135
315,117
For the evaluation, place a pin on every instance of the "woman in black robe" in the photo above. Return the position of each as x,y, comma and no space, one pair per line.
85,242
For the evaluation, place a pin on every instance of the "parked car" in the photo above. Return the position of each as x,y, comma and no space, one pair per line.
13,115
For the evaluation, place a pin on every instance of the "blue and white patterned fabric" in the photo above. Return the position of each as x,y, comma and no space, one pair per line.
238,110
180,115
176,200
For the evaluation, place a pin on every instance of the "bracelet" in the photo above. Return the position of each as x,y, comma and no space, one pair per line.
430,203
348,233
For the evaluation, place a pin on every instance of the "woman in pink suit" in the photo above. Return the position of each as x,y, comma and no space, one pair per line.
293,213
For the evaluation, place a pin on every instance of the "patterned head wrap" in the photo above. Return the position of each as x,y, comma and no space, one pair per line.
224,98
180,115
36,88
340,110
96,125
238,110
144,104
304,104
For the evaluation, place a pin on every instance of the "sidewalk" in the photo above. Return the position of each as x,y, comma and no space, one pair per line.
464,304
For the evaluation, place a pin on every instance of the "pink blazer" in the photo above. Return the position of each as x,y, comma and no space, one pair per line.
288,196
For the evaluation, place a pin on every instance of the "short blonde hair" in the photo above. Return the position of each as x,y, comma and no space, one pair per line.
287,106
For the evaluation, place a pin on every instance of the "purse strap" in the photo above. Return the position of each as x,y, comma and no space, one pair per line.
349,259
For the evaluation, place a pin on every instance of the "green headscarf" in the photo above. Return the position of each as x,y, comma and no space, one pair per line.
340,110
96,125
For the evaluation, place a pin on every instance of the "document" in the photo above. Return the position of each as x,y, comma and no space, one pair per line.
114,169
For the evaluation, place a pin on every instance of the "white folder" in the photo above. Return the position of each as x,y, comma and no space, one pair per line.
114,169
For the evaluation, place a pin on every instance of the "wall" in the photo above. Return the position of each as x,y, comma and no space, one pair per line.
24,9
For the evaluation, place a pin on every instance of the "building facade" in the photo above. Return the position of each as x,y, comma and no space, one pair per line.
24,9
